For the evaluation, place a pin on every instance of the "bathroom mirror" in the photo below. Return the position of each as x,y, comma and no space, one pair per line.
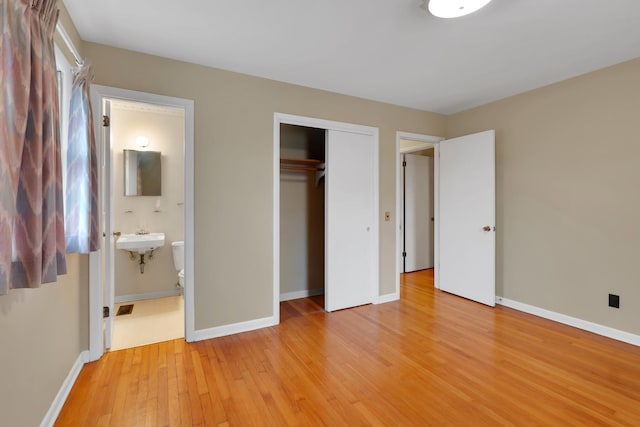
142,173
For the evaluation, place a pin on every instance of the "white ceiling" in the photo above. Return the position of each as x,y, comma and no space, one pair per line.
385,50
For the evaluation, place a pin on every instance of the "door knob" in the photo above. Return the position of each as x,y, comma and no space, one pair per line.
486,228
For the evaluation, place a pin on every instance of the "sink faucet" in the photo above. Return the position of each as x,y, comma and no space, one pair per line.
142,231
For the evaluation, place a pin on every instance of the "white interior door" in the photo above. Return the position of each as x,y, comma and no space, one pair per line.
467,217
108,241
349,220
418,212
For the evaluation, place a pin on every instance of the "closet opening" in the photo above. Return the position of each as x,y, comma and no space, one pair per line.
325,203
302,213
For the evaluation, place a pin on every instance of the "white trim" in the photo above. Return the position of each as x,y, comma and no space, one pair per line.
234,328
108,182
395,296
189,225
148,295
69,43
56,406
376,215
282,118
98,93
436,216
431,141
287,296
276,217
96,334
311,122
596,328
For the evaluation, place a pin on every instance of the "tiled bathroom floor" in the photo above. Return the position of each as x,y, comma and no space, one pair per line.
151,321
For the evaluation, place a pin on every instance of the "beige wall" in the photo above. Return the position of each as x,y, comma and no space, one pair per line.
301,213
165,129
409,143
233,169
42,333
568,205
429,152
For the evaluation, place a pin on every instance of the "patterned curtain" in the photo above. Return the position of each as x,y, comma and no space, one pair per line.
82,169
31,212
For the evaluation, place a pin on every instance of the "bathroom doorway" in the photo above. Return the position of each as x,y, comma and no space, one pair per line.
146,150
147,172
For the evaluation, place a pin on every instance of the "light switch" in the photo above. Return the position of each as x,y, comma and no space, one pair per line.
387,216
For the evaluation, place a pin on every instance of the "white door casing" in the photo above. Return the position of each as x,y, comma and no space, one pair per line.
99,295
418,212
349,220
329,125
467,217
427,141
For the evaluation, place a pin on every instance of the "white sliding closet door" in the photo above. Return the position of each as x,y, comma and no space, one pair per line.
349,220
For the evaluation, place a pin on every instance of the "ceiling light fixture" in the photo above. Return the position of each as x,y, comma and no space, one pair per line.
455,8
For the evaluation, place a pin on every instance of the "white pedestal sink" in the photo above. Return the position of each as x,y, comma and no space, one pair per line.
140,243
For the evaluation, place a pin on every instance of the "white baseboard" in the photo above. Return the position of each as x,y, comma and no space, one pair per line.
57,404
235,328
395,296
148,295
596,328
301,294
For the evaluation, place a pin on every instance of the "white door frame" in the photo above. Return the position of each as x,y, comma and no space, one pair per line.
281,118
98,93
428,141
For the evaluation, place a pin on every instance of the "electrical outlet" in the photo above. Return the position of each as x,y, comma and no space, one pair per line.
614,301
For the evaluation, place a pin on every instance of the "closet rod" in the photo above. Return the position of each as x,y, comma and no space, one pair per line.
300,161
301,168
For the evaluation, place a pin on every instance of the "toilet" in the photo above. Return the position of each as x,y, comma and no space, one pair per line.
178,260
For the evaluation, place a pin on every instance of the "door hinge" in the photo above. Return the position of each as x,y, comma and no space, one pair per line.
105,312
404,254
404,163
106,121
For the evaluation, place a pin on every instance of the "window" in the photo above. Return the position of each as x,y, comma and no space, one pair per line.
65,83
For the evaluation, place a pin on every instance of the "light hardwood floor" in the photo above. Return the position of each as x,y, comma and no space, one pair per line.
429,359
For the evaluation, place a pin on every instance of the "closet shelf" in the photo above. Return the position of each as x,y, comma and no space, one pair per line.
304,165
308,165
301,168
